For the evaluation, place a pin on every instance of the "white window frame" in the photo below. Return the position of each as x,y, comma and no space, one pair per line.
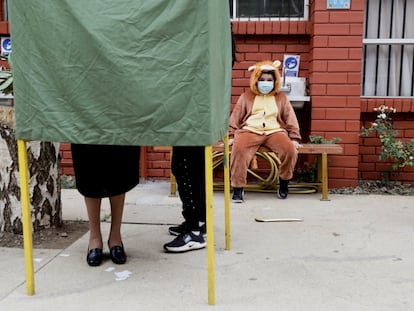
304,18
398,81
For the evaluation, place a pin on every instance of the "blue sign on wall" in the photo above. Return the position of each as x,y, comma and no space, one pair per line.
291,65
6,47
338,4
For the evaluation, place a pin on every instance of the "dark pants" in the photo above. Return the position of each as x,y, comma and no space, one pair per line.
187,165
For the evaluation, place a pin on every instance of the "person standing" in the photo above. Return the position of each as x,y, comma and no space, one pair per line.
105,171
188,167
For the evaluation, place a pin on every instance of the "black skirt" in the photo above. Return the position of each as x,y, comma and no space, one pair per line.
105,170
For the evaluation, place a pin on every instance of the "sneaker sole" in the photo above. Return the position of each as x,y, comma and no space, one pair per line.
191,246
237,201
280,197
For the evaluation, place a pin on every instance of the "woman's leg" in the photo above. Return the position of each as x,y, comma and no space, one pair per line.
117,208
93,208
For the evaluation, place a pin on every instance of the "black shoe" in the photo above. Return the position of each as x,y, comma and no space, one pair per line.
283,189
177,230
117,254
94,257
237,195
187,241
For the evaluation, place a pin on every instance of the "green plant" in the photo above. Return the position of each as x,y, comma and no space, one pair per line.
316,139
6,79
400,153
307,172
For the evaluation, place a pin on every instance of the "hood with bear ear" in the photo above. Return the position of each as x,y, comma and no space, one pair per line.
258,69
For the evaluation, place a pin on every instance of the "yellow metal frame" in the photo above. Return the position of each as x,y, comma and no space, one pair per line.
27,224
210,225
26,217
210,215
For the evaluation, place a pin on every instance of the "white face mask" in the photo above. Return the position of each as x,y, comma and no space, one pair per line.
265,87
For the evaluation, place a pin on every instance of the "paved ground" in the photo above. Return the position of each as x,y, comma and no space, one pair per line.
350,253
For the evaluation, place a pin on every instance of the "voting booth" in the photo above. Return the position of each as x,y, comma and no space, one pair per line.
130,72
125,73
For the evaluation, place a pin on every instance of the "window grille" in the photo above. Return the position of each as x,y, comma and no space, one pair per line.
269,9
388,49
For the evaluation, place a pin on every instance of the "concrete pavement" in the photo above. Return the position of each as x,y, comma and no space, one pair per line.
350,253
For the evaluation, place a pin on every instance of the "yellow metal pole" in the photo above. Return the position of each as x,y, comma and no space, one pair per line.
227,192
210,226
26,218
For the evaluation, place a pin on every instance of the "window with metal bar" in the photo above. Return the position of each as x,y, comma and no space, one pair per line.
268,9
388,49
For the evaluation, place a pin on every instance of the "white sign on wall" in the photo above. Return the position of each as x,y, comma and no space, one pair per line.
291,65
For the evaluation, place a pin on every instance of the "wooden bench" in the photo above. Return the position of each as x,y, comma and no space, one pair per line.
270,183
264,182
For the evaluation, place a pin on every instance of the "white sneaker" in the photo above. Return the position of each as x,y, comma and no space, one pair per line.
186,241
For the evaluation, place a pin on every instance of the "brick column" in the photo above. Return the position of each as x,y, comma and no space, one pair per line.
335,83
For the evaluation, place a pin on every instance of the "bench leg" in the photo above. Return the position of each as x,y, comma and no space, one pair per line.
173,186
324,177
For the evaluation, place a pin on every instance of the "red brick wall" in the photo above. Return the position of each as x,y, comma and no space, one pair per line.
158,163
4,26
330,45
335,76
66,160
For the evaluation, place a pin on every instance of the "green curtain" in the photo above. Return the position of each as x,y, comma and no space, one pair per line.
128,72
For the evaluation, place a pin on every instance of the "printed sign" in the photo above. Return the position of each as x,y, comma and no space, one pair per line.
338,4
291,65
5,46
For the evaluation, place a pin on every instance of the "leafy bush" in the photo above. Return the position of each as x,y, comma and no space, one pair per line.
399,152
